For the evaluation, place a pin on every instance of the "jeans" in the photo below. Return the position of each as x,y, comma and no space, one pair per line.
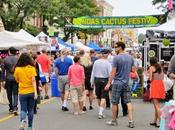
27,102
12,94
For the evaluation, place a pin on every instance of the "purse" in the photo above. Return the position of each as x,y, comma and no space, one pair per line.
3,97
168,83
169,94
133,75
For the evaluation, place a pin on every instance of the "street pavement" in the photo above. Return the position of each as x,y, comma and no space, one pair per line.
50,117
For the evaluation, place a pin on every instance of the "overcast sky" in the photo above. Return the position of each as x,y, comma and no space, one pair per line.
133,7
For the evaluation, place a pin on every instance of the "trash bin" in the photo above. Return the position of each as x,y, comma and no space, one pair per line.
54,86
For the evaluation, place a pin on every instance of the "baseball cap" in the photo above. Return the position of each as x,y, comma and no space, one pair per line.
12,50
104,51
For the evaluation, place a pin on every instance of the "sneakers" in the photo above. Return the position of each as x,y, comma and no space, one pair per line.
22,126
75,113
31,128
112,123
82,112
115,123
41,97
10,111
91,108
46,97
131,124
101,116
65,108
15,112
84,108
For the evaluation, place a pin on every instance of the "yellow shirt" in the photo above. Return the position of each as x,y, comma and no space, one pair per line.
23,76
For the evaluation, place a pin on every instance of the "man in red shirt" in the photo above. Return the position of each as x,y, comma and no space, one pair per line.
76,78
45,62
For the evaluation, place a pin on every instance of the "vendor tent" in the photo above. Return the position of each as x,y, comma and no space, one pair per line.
94,46
67,45
43,37
8,39
73,47
27,36
168,26
81,46
41,34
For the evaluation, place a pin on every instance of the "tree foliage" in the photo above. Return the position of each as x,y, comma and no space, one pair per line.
15,12
158,1
68,9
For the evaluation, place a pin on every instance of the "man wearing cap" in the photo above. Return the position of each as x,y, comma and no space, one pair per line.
7,77
62,65
44,60
92,55
99,77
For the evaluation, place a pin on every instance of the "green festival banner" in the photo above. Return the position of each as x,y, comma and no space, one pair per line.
118,22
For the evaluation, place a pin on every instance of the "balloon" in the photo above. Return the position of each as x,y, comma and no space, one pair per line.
166,42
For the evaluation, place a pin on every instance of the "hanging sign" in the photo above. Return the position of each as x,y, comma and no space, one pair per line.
118,22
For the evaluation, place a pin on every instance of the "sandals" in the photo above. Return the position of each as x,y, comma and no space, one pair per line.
155,124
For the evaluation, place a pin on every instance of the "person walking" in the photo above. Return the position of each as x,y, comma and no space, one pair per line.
44,60
8,79
24,74
76,79
62,65
122,66
171,72
157,91
99,78
38,82
87,64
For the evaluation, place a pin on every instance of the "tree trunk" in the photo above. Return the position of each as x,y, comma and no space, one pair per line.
66,37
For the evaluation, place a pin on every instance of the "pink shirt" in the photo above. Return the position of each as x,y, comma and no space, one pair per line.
76,75
45,63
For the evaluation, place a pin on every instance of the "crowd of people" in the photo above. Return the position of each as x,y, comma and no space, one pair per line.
79,75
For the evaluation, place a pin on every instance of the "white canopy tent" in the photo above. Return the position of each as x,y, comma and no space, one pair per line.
18,39
41,34
168,26
24,35
27,36
7,40
80,46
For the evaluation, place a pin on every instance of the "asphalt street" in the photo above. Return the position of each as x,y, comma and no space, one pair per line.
50,117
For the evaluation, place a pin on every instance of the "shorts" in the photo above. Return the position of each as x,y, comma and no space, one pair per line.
46,76
120,90
100,84
88,84
76,94
63,83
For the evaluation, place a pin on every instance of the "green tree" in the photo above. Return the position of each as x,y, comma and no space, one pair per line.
14,12
67,10
162,5
158,1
